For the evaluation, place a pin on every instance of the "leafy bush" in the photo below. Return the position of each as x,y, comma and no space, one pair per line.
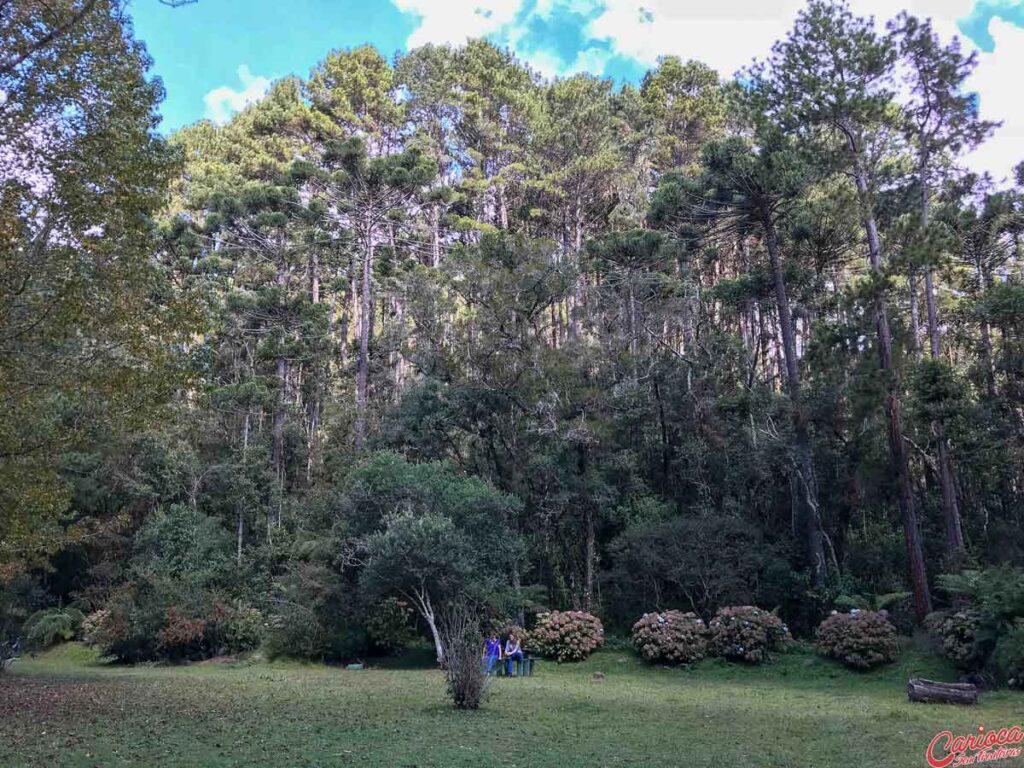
389,626
312,616
461,641
94,627
956,635
995,592
746,633
565,635
671,636
180,571
46,627
235,629
859,639
992,627
183,637
1009,656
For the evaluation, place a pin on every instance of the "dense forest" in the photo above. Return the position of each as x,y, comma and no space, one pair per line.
432,326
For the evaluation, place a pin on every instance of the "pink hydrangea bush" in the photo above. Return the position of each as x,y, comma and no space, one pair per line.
565,635
859,639
671,637
746,633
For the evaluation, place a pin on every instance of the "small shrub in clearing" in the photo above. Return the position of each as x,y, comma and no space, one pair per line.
565,635
746,633
671,636
461,640
956,636
858,639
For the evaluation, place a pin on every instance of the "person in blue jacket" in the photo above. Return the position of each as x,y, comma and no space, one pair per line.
492,652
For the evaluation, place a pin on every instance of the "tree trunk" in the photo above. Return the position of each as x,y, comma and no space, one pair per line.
577,247
950,504
277,425
435,223
928,691
915,314
365,326
806,486
897,447
590,553
314,276
987,358
421,599
517,589
502,206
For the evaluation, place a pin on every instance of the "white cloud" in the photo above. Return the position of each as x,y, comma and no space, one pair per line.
997,81
455,21
592,60
725,34
223,102
548,63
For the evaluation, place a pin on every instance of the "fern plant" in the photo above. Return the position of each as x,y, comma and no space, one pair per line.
871,602
46,627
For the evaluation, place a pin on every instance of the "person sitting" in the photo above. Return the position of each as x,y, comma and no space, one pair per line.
513,652
492,652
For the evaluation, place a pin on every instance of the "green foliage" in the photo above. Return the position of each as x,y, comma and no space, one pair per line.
236,629
92,326
997,592
988,636
44,628
439,329
671,637
957,635
705,562
565,635
746,633
312,616
389,625
859,639
1009,656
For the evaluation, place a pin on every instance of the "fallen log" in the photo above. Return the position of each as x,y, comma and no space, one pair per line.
931,692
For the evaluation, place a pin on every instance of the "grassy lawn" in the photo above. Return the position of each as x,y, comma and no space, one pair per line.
67,710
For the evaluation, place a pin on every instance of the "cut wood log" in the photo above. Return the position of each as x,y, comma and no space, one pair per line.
931,692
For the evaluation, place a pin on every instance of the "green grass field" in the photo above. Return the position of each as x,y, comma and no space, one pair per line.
65,709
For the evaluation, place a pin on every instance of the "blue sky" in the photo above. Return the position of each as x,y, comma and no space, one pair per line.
215,56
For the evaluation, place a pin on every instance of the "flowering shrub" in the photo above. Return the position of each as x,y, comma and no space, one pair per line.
95,627
565,635
671,636
956,635
859,639
746,633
